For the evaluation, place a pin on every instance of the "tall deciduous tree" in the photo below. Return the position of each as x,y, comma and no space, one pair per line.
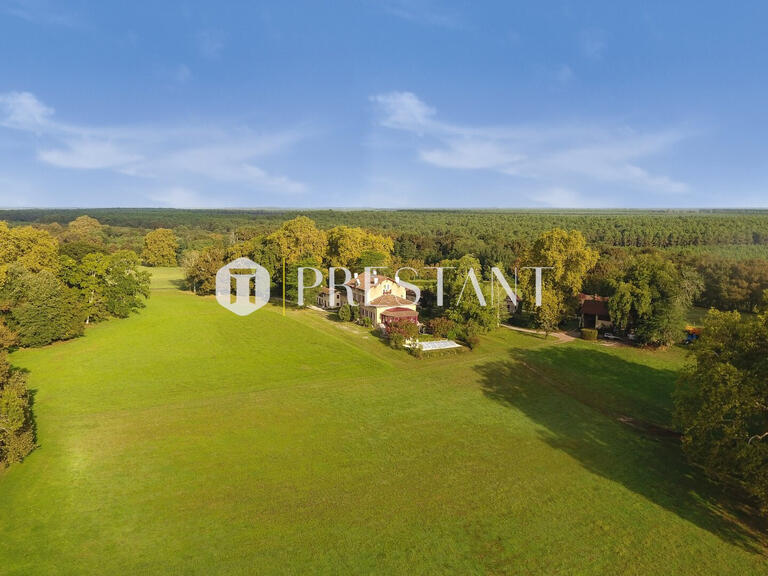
347,245
31,248
464,304
160,248
652,295
200,269
298,239
550,313
126,286
568,256
42,309
85,229
722,401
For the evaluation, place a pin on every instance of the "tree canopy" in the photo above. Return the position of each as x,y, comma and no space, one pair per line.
652,295
299,239
722,401
160,248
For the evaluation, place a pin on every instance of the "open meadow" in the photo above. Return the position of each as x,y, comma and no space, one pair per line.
188,440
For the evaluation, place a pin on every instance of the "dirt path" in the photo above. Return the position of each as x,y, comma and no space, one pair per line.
560,336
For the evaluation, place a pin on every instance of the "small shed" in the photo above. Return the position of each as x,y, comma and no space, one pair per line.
595,314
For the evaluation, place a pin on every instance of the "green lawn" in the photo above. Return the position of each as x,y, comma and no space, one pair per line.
189,440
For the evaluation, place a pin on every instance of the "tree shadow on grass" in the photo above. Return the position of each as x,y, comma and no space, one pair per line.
609,436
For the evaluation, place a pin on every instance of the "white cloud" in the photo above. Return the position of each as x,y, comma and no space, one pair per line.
23,111
180,197
559,155
558,197
163,154
87,155
403,110
473,154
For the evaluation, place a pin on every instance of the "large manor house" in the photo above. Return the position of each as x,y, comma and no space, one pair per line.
387,300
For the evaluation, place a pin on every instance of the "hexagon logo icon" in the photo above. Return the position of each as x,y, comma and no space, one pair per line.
243,270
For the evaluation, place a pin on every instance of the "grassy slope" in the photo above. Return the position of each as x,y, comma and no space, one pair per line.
189,440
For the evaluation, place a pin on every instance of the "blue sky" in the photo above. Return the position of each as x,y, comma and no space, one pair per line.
383,104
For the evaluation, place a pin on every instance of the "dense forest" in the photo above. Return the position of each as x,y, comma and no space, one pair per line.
661,229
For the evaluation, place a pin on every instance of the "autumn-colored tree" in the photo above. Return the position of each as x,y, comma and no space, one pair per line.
85,229
160,248
31,248
299,239
552,310
346,247
568,256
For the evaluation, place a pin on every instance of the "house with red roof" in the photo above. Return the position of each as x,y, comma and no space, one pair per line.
594,312
387,299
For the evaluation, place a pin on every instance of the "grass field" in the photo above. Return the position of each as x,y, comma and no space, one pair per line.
188,440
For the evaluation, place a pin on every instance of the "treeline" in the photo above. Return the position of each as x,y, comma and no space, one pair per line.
660,229
49,290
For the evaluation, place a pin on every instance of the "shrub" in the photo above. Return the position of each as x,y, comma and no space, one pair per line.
588,334
442,327
367,322
407,328
396,340
345,313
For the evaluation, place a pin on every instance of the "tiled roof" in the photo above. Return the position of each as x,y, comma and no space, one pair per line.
599,307
584,297
389,300
362,279
399,312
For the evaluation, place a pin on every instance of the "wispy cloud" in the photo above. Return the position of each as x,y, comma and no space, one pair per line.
426,12
164,156
41,12
210,43
559,156
592,44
